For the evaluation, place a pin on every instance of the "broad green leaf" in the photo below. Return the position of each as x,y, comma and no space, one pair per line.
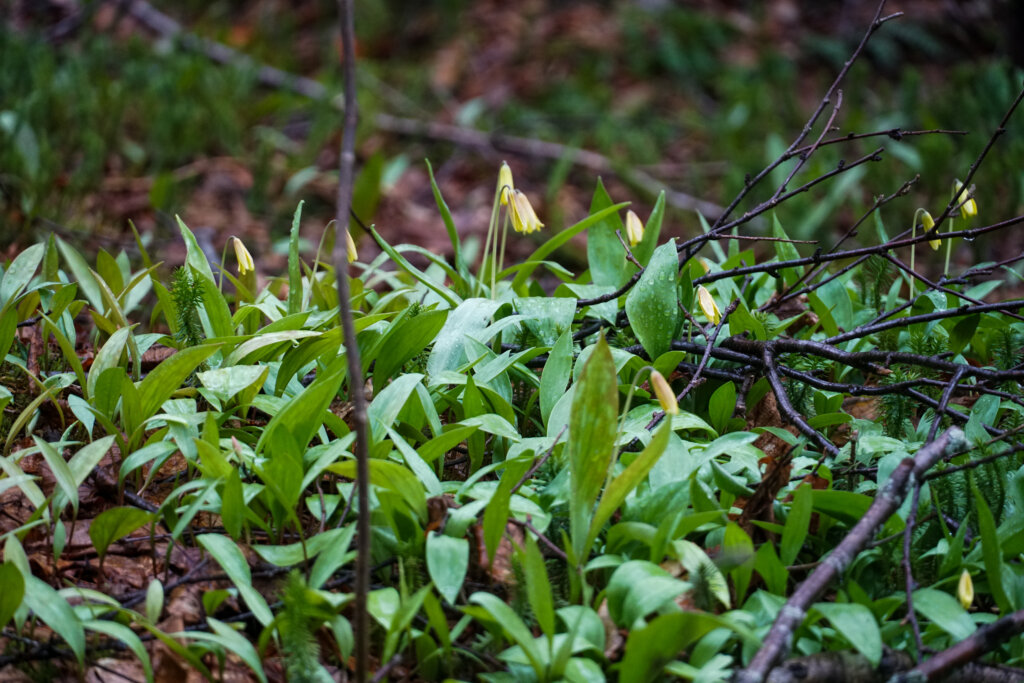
122,633
289,432
555,376
61,471
538,587
505,617
239,644
391,475
294,268
496,513
721,406
13,592
652,305
167,377
630,478
114,524
231,560
592,426
56,613
447,564
857,624
797,523
470,318
20,272
607,258
109,356
388,403
651,647
547,318
990,550
943,610
82,274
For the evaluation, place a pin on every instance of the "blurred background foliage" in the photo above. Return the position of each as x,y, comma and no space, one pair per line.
104,123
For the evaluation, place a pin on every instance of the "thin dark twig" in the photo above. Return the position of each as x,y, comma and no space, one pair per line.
804,156
888,499
786,408
629,252
876,23
346,174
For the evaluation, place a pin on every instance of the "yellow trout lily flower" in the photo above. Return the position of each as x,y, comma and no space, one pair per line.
524,218
708,305
505,185
927,222
663,391
350,246
965,590
968,208
634,229
244,258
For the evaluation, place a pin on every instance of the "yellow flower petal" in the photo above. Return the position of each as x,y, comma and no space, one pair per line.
505,184
965,590
708,305
927,222
968,207
634,229
663,391
524,218
350,246
243,257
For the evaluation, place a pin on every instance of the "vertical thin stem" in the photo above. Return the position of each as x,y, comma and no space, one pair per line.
346,173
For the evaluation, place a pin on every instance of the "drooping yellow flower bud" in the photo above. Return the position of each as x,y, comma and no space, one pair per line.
968,207
350,246
965,590
524,218
505,185
708,305
243,257
663,391
634,229
704,264
927,222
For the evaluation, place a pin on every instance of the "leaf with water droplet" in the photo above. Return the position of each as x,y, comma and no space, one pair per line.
653,304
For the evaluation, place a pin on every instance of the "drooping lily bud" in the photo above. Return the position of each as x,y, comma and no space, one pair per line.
663,391
350,247
708,305
927,222
965,590
242,255
524,218
634,229
505,185
968,207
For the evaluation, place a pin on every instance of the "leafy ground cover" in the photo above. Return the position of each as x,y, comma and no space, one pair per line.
689,458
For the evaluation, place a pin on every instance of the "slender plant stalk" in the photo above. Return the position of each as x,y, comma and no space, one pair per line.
346,172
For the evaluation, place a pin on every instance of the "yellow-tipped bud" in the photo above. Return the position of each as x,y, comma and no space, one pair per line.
243,257
968,207
505,185
927,222
634,229
350,247
965,590
524,218
663,391
708,305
